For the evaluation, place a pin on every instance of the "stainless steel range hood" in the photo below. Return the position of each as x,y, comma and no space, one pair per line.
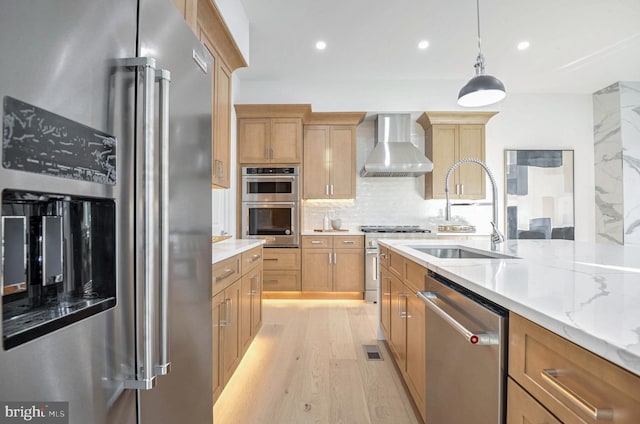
393,154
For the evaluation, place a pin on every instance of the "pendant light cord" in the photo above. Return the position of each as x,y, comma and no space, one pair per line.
480,59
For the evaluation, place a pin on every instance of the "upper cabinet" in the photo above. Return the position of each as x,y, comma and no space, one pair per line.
449,137
207,23
270,133
329,165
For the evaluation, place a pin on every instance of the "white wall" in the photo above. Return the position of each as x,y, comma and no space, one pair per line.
524,121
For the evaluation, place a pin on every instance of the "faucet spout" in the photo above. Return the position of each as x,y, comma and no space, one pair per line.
496,236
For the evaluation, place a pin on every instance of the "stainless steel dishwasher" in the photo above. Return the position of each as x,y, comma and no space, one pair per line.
465,355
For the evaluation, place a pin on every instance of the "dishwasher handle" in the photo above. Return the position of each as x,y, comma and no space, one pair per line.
473,338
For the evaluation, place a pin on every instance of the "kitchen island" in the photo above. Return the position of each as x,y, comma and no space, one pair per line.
586,293
571,304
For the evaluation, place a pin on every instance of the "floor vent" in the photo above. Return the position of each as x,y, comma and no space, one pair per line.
372,353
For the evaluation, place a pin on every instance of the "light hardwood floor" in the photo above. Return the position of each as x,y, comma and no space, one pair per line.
307,365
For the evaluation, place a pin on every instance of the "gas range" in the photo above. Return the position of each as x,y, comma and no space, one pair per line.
372,233
393,229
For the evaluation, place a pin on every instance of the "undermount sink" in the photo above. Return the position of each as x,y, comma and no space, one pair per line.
459,252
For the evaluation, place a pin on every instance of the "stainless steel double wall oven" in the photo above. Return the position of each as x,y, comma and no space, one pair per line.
271,205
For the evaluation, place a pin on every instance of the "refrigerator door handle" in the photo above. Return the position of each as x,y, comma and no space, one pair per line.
163,77
145,378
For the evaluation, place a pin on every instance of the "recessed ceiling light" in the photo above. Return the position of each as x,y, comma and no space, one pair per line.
423,44
321,45
523,45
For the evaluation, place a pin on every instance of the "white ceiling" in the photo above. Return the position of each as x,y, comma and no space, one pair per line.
577,46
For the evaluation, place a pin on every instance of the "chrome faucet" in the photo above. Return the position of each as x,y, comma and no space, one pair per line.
496,235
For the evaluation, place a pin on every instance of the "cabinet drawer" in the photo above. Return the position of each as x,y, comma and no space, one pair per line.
574,384
415,276
315,242
384,257
522,408
348,242
274,258
251,259
281,280
225,272
396,263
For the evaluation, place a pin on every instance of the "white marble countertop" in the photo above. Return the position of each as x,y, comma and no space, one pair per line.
228,248
587,293
332,233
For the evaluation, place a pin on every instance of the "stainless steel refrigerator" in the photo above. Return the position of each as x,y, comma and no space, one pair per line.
106,214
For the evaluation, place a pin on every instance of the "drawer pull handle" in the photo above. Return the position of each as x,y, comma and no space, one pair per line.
227,272
254,258
551,377
317,241
270,259
348,241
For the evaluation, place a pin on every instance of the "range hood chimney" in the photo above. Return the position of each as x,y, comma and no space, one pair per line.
393,154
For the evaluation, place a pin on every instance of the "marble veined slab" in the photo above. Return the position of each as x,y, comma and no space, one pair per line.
231,247
587,293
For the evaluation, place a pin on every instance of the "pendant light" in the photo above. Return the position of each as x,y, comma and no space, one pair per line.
482,89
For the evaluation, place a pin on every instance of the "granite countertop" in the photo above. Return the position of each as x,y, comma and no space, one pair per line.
587,293
231,247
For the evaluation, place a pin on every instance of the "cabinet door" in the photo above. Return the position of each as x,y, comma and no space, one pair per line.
221,126
230,329
286,140
471,176
256,302
524,409
245,311
343,161
398,322
385,302
253,140
315,164
317,266
216,317
441,142
348,270
416,349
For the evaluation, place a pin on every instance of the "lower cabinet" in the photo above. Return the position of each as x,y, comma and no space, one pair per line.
402,318
571,383
333,264
522,408
236,312
281,269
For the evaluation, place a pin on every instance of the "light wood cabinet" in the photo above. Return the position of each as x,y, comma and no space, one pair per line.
281,269
398,339
236,312
524,409
216,316
229,330
221,112
450,137
333,264
188,10
385,301
572,383
207,23
403,320
270,140
329,162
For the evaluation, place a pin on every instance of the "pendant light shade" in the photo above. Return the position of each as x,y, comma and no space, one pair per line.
482,89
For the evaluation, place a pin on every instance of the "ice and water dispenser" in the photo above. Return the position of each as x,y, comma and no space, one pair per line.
58,261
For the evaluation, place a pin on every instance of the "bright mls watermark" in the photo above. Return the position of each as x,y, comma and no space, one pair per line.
34,412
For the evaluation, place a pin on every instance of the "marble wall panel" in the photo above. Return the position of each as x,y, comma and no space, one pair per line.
630,130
